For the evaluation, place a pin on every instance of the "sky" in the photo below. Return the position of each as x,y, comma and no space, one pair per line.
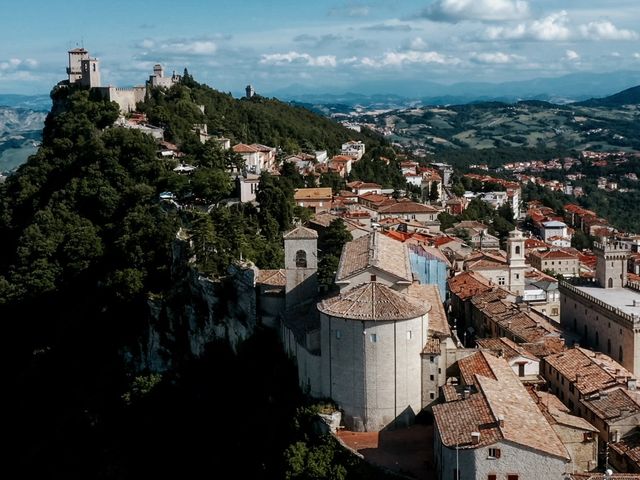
321,45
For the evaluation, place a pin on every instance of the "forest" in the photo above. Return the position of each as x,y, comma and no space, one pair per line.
86,242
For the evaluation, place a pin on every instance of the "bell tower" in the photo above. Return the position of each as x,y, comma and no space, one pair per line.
516,261
301,266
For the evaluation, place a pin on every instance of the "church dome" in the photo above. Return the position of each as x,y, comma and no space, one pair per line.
373,301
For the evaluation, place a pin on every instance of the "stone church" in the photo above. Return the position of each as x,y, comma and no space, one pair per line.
365,346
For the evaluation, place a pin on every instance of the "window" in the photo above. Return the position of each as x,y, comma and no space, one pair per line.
610,282
431,359
494,453
301,259
512,477
432,395
597,340
501,281
338,334
374,337
517,276
588,436
492,476
409,334
431,377
517,249
521,369
620,353
555,311
608,345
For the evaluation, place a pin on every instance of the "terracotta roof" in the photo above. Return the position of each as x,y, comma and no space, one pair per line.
450,393
438,324
407,206
301,233
589,371
374,250
557,412
598,476
468,284
555,254
545,346
612,406
322,193
505,347
373,301
432,347
629,447
473,365
501,410
275,278
244,148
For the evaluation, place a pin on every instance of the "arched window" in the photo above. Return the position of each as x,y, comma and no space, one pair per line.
301,259
517,249
610,282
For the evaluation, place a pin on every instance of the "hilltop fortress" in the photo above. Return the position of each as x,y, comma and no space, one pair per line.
85,71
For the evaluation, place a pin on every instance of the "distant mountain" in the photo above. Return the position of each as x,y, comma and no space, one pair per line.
32,102
630,96
20,134
565,89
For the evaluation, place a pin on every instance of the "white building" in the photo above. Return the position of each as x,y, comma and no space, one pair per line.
554,229
353,149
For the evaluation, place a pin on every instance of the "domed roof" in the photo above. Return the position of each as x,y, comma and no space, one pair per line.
373,301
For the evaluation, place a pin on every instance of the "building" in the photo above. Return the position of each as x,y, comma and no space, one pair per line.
522,362
554,228
316,199
578,436
365,346
249,91
556,261
495,430
257,158
247,184
354,149
83,70
606,314
158,79
577,374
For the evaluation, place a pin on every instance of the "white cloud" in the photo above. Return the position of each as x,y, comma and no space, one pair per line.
454,11
605,30
197,47
636,56
17,64
416,43
571,55
397,59
495,58
550,28
147,43
298,58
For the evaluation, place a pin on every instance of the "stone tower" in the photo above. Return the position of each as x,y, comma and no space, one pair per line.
611,265
516,261
250,91
301,266
90,73
74,70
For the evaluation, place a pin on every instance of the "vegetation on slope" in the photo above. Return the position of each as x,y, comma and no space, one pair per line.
85,240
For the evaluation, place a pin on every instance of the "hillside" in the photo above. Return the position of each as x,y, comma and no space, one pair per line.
20,133
531,124
117,306
630,96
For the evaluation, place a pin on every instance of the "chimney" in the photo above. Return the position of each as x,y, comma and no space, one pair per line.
466,393
631,384
475,438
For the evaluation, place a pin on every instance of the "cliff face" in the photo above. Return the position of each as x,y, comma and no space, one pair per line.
197,311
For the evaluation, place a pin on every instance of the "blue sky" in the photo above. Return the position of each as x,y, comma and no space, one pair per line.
324,45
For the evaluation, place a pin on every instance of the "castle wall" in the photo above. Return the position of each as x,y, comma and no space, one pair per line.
126,98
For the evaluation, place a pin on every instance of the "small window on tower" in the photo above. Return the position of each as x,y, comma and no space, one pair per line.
301,259
517,249
374,338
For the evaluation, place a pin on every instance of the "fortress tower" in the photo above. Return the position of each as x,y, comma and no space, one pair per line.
611,265
83,70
